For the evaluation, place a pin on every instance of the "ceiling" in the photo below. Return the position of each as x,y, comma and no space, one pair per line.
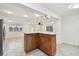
60,9
18,12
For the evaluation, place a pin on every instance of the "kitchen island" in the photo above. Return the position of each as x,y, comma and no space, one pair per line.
46,42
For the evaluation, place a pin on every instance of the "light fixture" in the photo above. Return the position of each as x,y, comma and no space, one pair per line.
53,22
74,6
70,6
25,15
10,21
37,15
8,12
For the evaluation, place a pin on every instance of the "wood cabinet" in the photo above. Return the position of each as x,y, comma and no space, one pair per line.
28,42
34,41
53,44
44,42
48,44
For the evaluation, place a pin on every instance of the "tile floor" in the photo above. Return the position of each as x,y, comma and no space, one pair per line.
17,50
67,50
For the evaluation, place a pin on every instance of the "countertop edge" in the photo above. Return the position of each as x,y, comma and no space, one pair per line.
42,33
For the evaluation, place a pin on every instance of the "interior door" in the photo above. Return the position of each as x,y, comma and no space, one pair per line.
1,41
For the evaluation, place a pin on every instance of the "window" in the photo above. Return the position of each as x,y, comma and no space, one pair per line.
10,29
49,28
15,29
20,29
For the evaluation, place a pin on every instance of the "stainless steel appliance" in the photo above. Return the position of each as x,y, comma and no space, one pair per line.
2,36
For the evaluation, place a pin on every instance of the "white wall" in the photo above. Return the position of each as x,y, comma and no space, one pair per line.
56,29
10,35
14,40
70,30
37,28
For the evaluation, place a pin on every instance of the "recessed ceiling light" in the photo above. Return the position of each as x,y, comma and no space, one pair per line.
25,15
70,6
53,22
10,21
37,15
8,12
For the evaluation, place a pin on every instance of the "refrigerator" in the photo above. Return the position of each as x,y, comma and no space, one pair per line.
2,36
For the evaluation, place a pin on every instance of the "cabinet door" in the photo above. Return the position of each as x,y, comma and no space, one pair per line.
41,42
53,38
34,41
45,44
28,43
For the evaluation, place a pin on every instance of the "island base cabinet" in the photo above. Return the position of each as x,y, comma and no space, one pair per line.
34,41
30,42
44,42
27,43
48,44
53,44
